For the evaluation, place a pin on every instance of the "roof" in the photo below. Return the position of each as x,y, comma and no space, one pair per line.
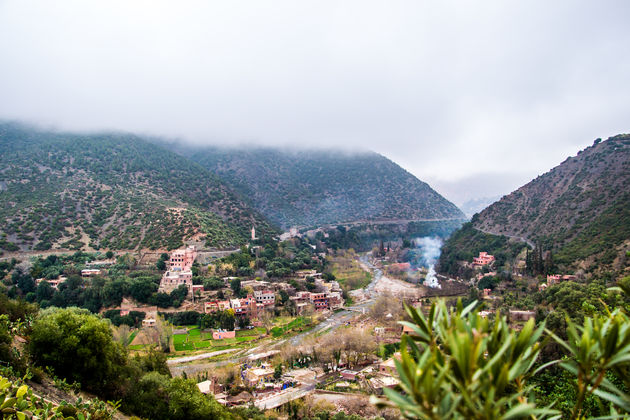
263,355
261,371
388,363
384,381
204,386
242,397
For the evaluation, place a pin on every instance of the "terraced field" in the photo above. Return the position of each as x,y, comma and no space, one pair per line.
195,339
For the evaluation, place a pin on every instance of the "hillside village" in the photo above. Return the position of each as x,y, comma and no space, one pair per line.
286,318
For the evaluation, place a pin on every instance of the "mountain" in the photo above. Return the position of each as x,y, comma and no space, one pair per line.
111,191
580,210
316,187
475,205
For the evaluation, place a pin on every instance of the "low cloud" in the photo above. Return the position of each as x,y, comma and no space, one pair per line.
452,91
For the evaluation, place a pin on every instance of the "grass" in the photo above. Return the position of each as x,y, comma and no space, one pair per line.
180,338
279,331
184,346
348,272
132,336
196,339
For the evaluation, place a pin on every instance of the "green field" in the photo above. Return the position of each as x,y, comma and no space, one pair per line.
132,337
348,272
299,322
195,339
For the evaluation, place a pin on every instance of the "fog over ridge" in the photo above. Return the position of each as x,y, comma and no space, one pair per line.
467,97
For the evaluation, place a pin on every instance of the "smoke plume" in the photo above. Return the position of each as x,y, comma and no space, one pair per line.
430,249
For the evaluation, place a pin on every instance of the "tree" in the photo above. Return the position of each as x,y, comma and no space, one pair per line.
266,318
227,319
235,285
179,294
487,282
44,291
284,296
79,347
277,372
114,291
141,288
122,334
162,300
598,347
212,283
19,401
23,280
457,364
243,322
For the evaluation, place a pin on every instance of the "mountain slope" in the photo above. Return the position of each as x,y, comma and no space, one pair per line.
307,188
580,209
110,191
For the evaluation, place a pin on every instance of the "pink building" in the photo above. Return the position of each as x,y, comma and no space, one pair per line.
209,307
54,283
556,278
90,272
399,266
179,272
483,259
216,305
220,334
245,307
171,280
319,300
349,375
182,259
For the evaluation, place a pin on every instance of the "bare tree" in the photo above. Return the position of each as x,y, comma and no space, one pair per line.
385,305
266,318
122,334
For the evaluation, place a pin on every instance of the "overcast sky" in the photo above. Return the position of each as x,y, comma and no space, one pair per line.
474,97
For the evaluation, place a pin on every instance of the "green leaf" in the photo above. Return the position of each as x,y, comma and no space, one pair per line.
21,391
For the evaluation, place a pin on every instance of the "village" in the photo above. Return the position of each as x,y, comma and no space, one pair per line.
249,337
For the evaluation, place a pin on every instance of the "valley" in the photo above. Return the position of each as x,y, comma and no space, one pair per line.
192,285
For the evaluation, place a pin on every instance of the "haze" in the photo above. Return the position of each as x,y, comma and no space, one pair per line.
475,98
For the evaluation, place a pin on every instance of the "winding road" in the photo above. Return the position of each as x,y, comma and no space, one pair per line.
520,238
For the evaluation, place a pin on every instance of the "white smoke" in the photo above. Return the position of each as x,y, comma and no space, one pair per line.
431,248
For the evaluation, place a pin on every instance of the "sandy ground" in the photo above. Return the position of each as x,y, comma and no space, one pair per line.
337,398
202,356
397,288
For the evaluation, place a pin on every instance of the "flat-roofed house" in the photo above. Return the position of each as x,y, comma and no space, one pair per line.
266,297
91,272
483,259
179,270
258,376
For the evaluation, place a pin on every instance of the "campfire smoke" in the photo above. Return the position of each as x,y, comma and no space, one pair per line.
430,250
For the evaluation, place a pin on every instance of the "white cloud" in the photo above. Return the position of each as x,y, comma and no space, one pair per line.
451,90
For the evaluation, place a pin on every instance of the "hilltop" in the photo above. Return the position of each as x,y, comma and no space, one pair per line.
318,187
579,210
111,191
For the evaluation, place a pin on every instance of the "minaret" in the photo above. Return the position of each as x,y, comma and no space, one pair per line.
253,233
